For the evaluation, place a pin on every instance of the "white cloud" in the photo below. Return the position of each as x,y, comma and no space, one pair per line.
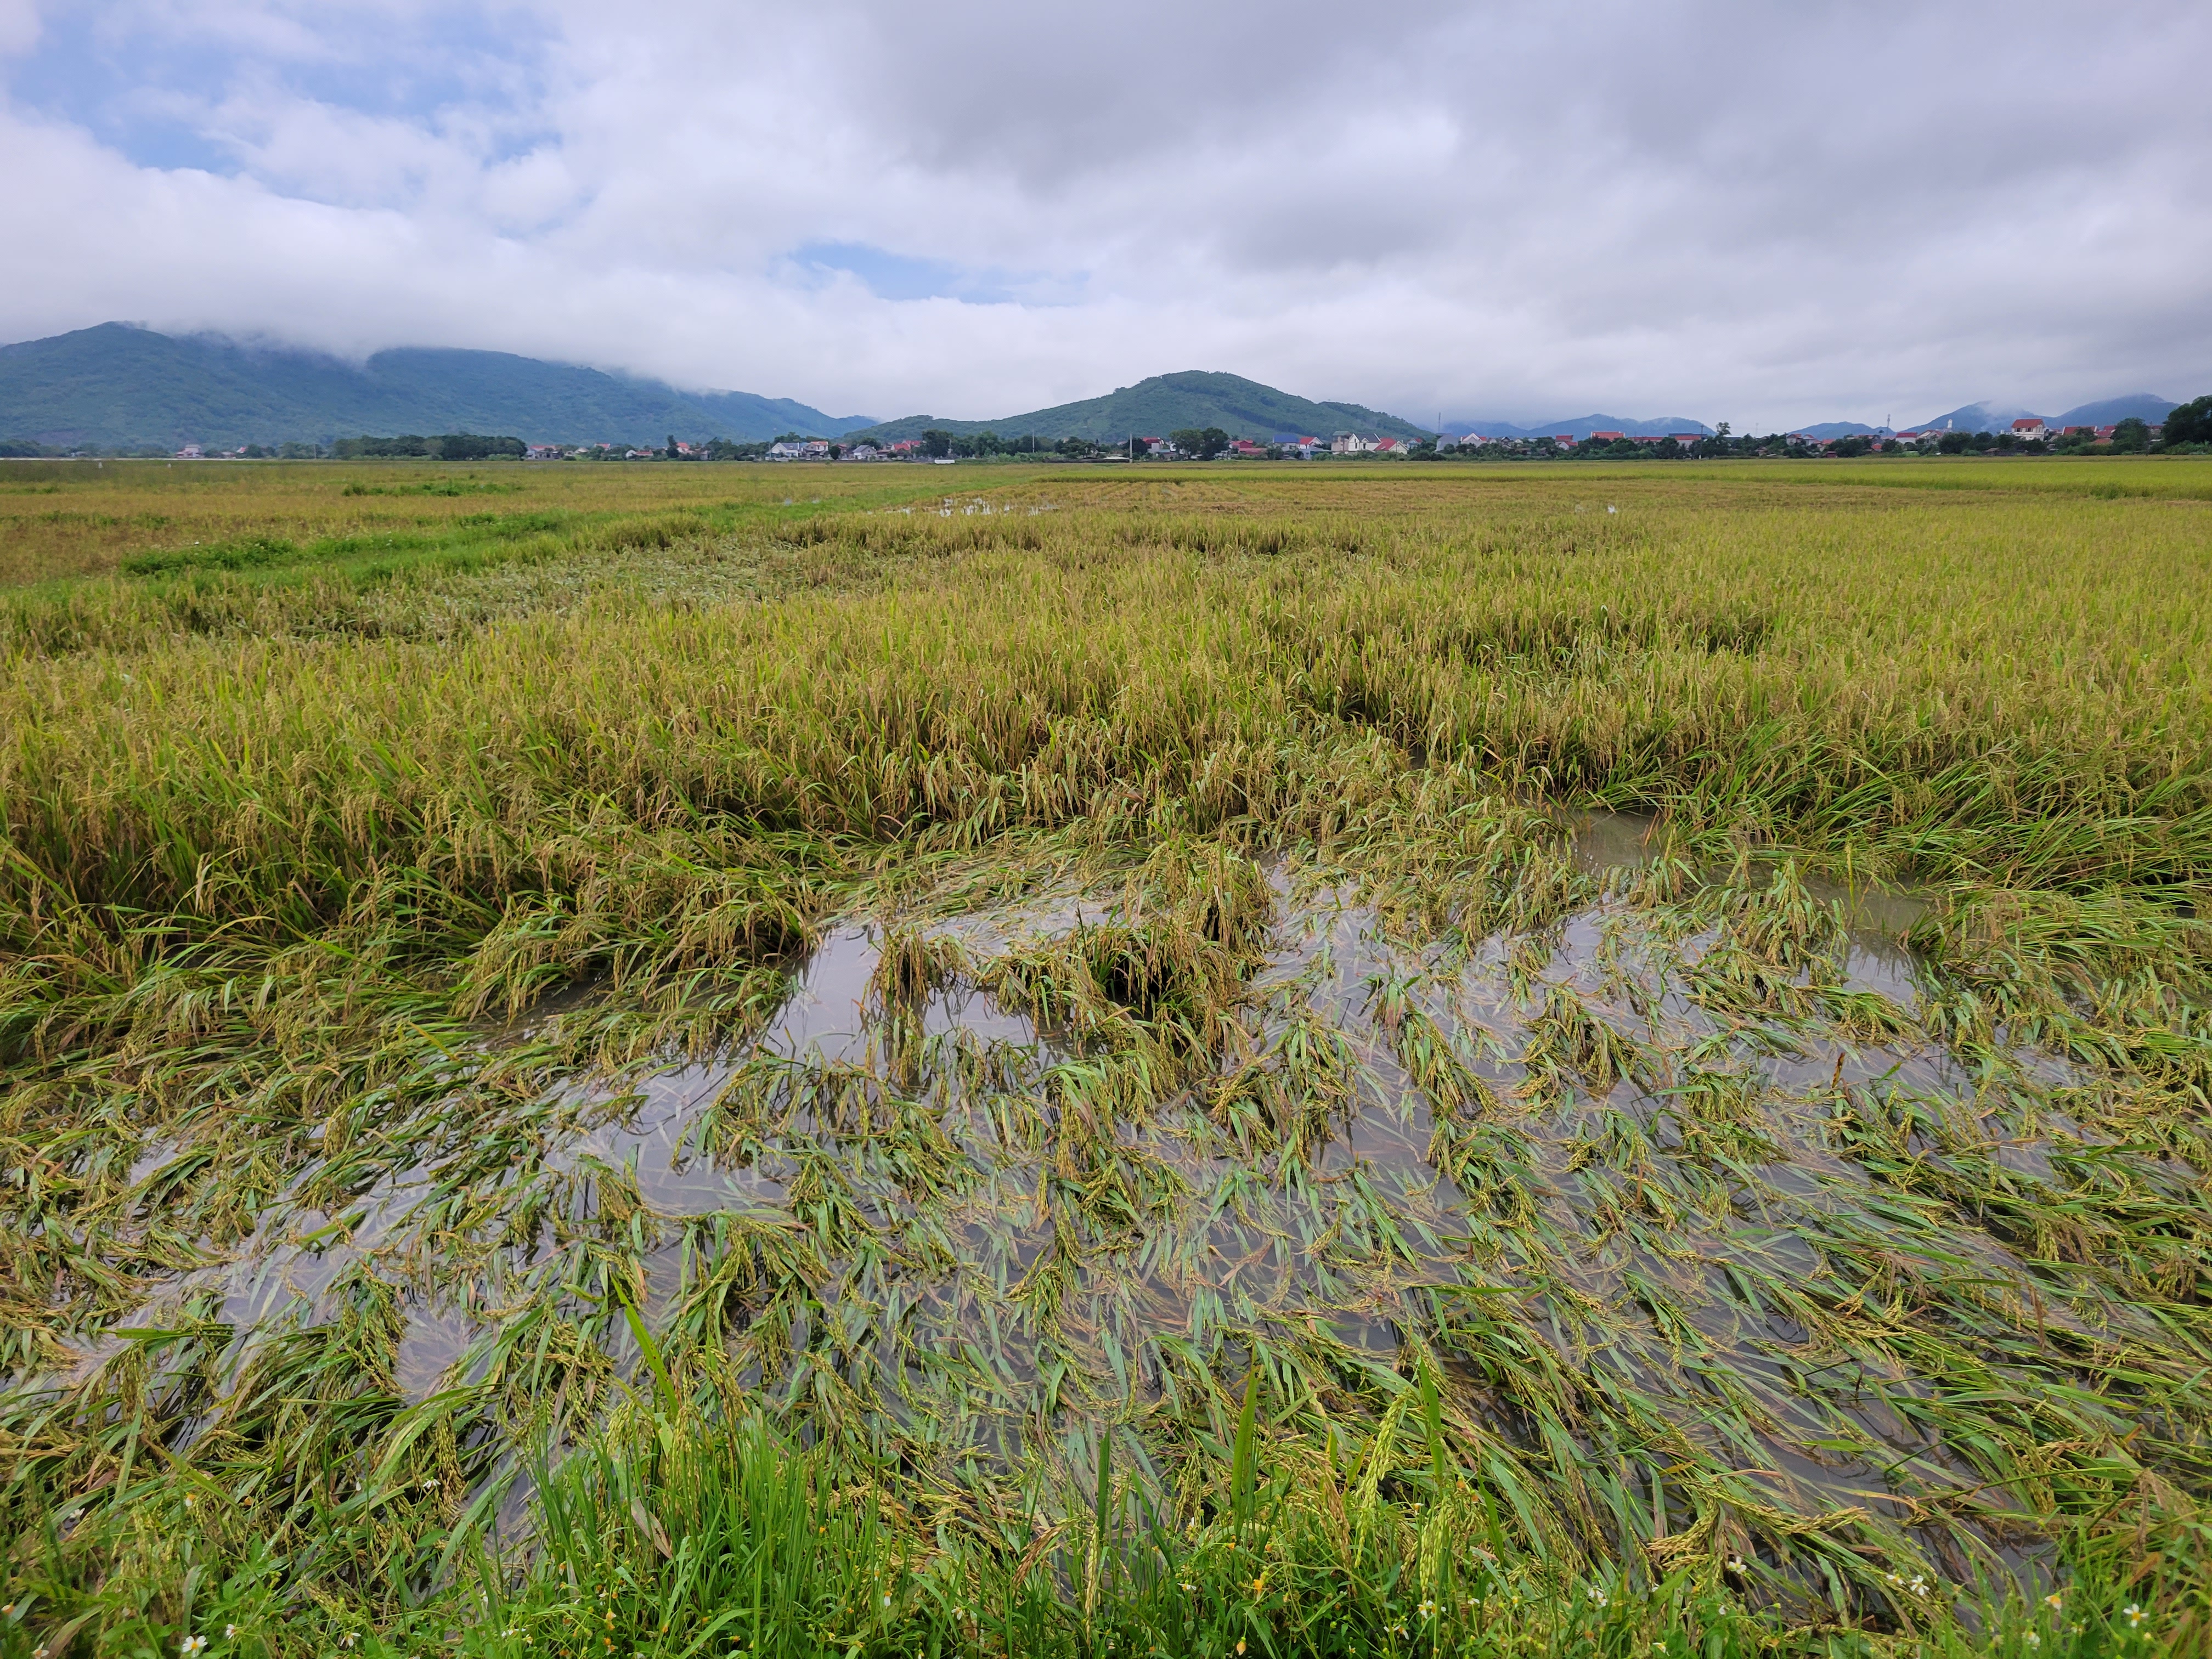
1767,215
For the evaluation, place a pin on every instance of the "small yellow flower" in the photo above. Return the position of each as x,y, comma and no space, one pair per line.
2135,1614
194,1644
1240,1644
2056,1603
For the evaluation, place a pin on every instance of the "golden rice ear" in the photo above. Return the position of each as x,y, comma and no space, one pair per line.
910,966
1207,887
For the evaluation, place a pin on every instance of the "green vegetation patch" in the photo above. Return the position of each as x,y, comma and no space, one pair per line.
448,487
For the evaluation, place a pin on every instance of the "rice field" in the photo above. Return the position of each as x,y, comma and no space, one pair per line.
743,1061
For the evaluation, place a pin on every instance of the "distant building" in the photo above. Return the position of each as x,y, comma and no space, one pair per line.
861,453
190,452
801,449
1349,443
543,452
1607,437
2029,430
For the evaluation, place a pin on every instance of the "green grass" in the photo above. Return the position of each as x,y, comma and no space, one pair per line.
417,1221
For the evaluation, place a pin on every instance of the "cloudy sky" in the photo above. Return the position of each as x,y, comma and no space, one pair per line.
1769,213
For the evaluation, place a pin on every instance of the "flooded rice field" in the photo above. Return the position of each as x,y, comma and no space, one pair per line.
1720,1224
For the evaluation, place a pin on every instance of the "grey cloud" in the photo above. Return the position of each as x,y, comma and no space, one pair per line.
1764,214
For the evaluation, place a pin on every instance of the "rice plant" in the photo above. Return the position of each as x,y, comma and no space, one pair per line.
931,1075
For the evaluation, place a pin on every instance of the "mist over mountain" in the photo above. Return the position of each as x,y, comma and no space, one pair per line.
119,387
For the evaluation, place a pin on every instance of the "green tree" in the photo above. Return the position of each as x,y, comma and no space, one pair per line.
2131,437
2191,424
936,443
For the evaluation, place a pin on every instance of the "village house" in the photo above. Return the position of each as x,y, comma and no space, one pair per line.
2030,430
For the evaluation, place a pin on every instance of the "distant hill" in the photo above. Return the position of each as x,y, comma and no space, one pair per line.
1828,429
1578,427
1996,417
1977,418
2145,406
1156,407
119,387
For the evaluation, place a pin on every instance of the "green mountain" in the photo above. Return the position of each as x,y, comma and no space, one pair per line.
1154,408
119,387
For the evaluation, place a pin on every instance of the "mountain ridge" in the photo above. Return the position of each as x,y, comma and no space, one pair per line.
2146,406
1159,404
1580,427
116,386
